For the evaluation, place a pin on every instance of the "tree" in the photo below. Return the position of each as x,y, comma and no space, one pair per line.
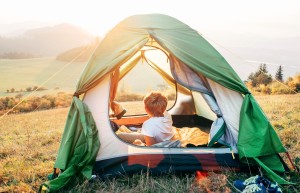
18,96
294,83
261,76
28,89
11,103
263,69
279,75
264,79
2,106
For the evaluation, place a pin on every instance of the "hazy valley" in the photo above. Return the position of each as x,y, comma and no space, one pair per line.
46,52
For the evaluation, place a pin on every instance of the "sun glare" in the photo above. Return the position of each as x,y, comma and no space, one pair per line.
99,17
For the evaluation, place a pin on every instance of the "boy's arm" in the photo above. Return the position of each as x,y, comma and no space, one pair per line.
149,140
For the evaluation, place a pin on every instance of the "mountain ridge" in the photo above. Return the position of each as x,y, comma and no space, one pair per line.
47,41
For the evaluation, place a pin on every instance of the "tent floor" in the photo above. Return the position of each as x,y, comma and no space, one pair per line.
158,164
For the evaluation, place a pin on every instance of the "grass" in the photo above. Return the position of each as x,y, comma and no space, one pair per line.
30,141
284,114
143,182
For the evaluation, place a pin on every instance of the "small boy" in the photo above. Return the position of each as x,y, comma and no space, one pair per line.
159,127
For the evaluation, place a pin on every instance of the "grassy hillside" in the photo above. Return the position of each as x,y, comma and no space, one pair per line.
29,145
23,73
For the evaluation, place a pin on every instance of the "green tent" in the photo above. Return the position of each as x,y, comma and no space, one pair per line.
88,142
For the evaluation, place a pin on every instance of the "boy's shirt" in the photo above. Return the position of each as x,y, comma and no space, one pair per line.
160,128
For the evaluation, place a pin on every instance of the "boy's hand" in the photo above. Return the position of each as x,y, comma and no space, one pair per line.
138,142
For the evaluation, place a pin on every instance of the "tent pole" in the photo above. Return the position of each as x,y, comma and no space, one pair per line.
288,155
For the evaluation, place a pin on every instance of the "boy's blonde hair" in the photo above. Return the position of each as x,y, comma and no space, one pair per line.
156,103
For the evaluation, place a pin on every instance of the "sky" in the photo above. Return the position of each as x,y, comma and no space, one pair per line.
214,19
272,17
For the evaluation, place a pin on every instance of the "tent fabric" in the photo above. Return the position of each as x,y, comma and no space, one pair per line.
78,148
184,43
217,131
130,35
258,140
188,78
256,136
179,162
230,103
196,82
202,108
113,147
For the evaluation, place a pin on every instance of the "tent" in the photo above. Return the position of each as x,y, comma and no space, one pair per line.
197,70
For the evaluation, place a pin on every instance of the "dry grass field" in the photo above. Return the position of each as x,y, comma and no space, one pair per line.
29,143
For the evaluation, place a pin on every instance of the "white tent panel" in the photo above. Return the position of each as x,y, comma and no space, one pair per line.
202,107
97,100
184,105
230,103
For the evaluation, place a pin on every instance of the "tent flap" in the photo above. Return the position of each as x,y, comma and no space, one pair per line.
257,137
78,148
275,162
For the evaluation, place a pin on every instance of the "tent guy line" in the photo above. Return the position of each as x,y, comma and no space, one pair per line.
250,62
42,84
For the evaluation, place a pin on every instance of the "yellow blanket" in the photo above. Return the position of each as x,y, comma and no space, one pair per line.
187,135
191,135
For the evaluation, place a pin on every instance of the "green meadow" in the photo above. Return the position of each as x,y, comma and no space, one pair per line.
30,141
51,74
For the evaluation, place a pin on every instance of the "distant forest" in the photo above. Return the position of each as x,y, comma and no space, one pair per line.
17,55
17,104
261,82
